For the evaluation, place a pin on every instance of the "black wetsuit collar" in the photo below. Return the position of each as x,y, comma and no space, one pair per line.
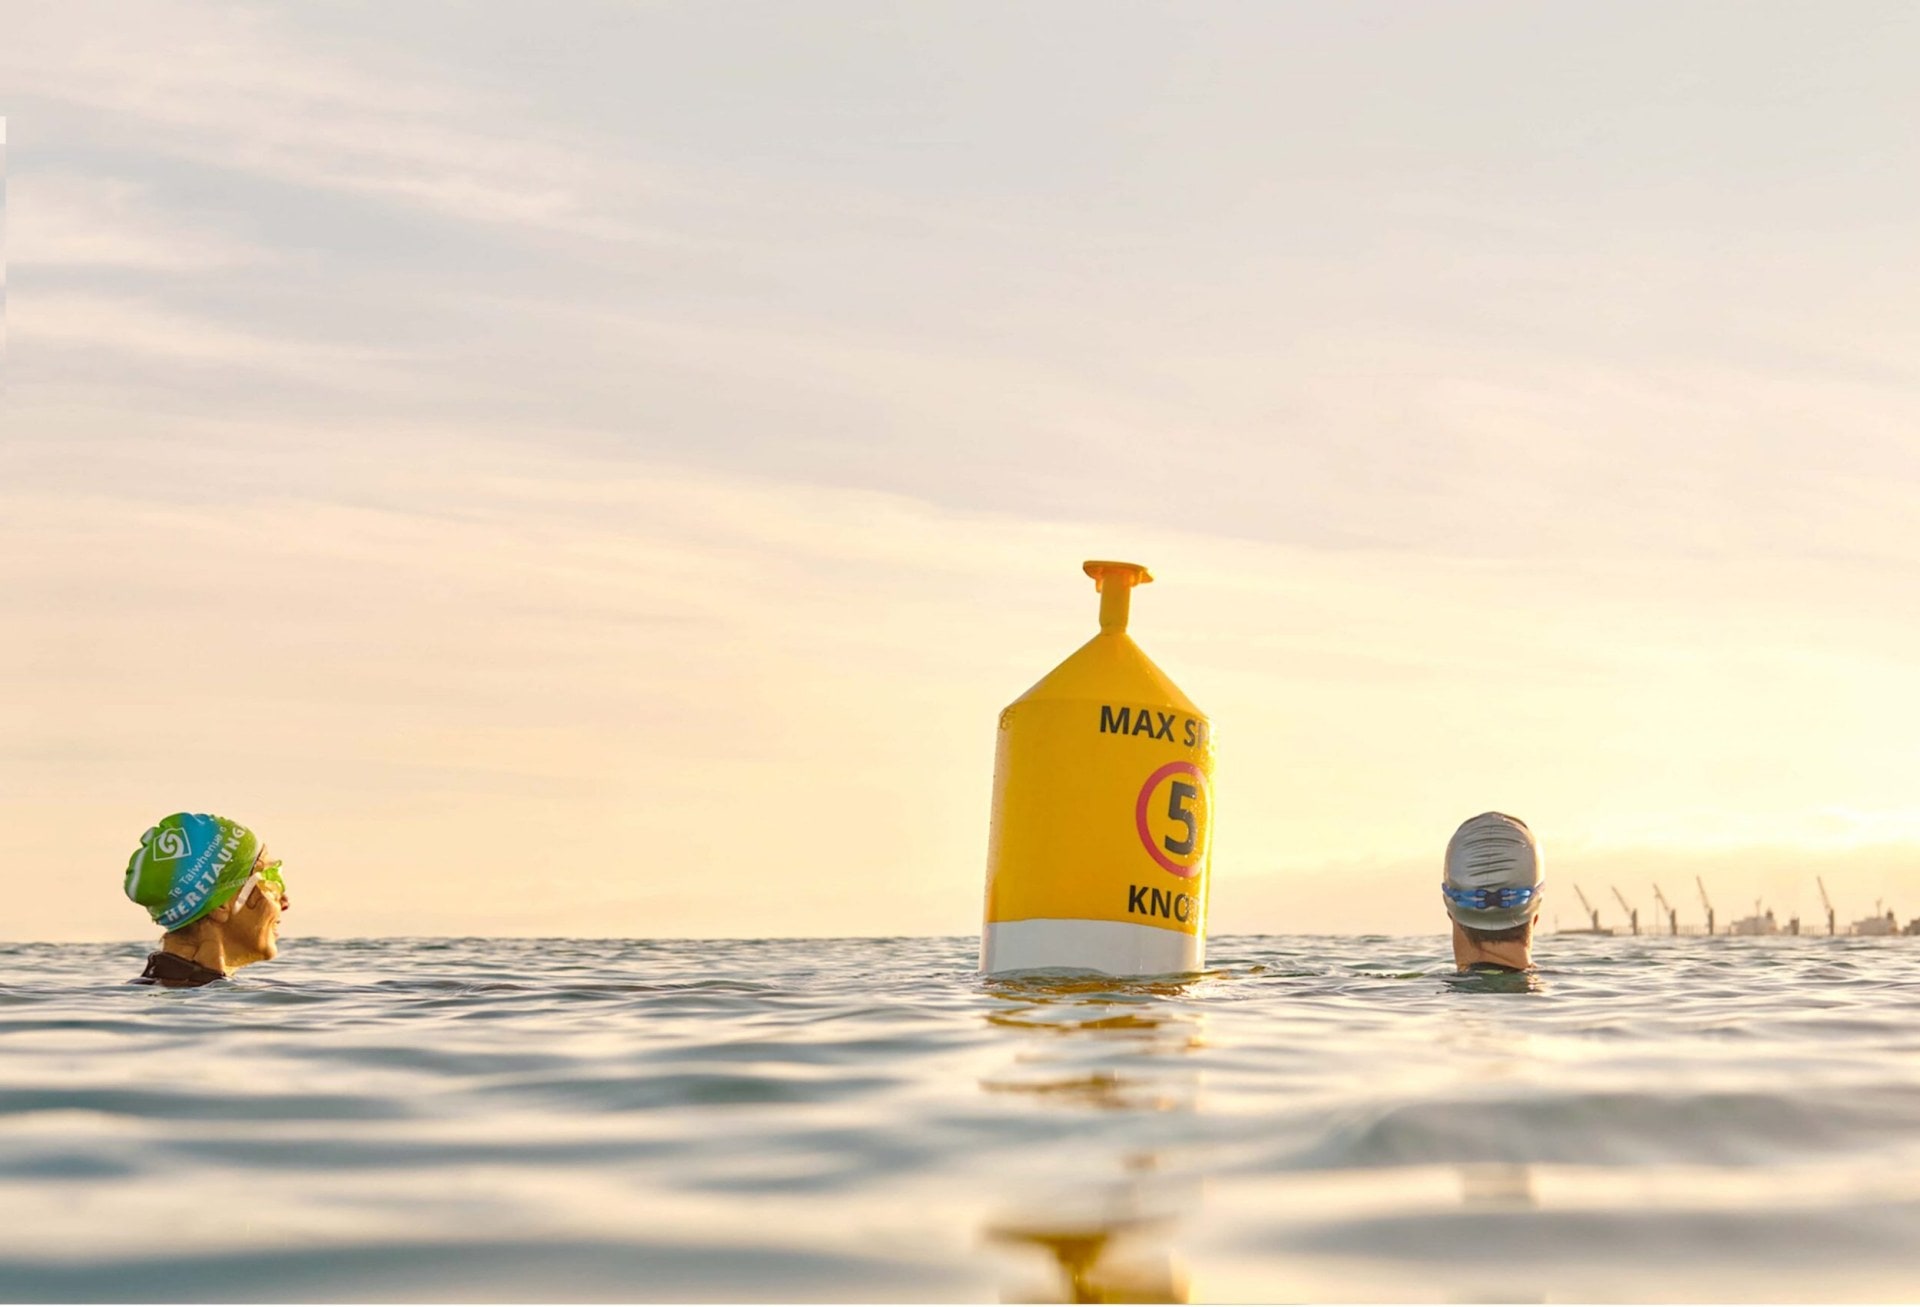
176,972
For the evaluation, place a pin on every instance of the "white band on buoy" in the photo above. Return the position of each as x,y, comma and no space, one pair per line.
1116,948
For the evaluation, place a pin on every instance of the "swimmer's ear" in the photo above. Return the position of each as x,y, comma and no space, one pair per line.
221,913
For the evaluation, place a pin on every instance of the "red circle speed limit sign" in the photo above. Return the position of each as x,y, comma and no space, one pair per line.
1171,818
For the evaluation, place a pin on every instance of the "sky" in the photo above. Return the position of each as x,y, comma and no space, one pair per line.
600,469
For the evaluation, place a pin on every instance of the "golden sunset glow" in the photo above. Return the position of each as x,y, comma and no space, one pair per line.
607,529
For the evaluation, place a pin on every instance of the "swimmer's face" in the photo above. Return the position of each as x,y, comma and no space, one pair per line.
253,928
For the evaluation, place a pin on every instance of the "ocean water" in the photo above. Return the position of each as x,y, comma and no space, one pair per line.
1328,1119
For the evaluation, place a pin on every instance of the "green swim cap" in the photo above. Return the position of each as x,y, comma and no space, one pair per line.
188,865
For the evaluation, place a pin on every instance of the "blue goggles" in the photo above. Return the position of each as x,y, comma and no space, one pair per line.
1511,896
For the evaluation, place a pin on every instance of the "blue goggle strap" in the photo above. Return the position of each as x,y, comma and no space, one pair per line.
1511,896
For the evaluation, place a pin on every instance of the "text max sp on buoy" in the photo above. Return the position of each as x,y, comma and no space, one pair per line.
1102,812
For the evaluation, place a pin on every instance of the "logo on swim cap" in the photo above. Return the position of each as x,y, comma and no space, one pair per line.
168,844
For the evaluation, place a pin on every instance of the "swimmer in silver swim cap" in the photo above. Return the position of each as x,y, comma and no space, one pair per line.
1492,890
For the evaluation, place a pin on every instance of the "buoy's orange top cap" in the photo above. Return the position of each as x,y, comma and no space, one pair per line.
1104,570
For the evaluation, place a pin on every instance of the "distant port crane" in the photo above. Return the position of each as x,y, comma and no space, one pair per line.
1633,913
1593,913
1705,902
1826,902
1673,917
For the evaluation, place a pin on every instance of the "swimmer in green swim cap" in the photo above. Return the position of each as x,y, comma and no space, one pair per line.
1492,887
210,884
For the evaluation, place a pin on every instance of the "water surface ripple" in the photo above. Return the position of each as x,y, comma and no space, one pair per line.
1331,1119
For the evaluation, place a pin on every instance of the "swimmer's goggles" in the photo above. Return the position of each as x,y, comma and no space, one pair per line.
1511,896
268,876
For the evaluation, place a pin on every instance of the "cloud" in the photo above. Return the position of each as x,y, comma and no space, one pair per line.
1539,392
68,220
103,326
233,89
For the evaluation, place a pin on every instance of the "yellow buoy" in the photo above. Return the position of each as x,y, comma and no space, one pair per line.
1102,812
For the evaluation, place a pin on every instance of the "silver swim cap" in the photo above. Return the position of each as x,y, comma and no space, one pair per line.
1493,873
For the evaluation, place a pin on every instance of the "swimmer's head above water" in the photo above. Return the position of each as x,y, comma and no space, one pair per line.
1492,887
211,885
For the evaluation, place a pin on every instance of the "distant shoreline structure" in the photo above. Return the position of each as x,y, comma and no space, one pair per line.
1881,924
